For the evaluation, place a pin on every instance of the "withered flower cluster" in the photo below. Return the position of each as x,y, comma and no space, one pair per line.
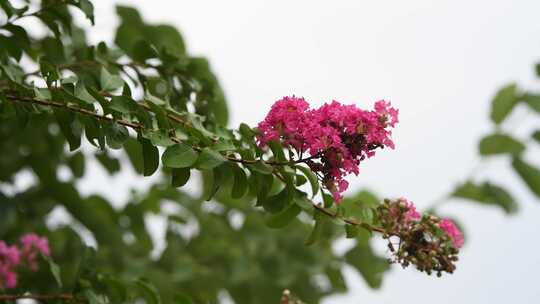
425,241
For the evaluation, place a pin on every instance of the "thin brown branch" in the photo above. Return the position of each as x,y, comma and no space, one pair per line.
74,109
57,297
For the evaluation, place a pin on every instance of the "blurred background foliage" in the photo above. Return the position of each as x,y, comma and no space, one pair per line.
222,245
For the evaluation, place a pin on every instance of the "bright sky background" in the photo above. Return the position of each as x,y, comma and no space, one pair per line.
439,62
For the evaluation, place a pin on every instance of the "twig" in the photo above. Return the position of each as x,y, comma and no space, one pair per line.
61,297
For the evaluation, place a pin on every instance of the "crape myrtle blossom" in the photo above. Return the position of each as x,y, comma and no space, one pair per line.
13,257
453,232
32,246
337,137
426,241
9,260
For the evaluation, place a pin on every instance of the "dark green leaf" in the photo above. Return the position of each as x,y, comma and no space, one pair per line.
500,144
70,127
179,156
148,291
76,164
55,270
277,202
150,156
318,228
261,167
533,101
360,206
336,278
87,8
219,177
115,134
143,50
123,104
529,174
182,299
111,164
240,185
209,159
536,135
503,103
110,82
369,265
351,231
284,217
277,150
312,178
180,176
487,193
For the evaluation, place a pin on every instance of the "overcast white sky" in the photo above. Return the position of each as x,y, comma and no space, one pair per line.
440,62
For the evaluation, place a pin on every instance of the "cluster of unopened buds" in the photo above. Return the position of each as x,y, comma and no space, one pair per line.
336,137
426,241
13,257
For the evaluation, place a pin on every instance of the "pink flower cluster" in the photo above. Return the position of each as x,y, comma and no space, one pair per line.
412,214
453,232
336,136
446,225
11,257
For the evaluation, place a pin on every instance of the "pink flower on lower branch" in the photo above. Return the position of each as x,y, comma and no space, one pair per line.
453,232
9,259
32,246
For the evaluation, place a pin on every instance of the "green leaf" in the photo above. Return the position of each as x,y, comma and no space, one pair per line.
123,104
536,135
166,37
111,164
312,178
182,299
55,270
82,94
143,50
360,206
87,8
336,279
369,265
150,156
110,82
500,144
240,185
209,159
487,193
533,101
503,103
529,174
281,219
219,177
276,203
115,135
134,152
318,228
277,150
246,131
180,176
148,291
179,156
70,127
351,231
261,167
76,164
93,298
